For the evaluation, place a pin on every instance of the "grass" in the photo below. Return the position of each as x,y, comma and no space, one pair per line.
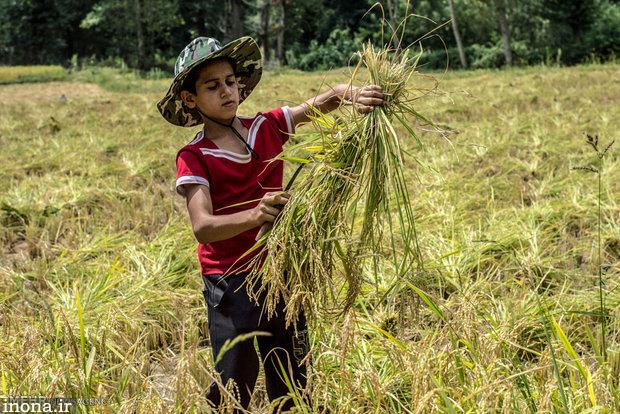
30,74
100,290
593,142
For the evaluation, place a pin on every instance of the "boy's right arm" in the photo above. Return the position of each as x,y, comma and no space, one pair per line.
363,99
210,228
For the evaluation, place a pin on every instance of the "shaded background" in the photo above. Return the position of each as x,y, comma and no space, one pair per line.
307,34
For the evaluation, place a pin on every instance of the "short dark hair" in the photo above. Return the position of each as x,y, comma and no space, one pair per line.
189,84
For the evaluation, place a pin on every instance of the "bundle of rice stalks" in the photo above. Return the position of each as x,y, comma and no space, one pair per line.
350,207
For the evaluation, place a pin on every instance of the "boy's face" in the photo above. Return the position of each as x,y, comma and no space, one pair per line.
217,91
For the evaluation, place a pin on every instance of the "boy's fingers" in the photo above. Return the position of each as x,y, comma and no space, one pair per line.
271,210
374,94
280,199
271,198
270,218
275,200
277,193
370,101
374,87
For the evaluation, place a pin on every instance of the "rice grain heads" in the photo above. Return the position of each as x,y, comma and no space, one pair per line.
350,211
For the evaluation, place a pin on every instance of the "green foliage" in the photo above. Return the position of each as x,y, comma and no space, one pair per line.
569,23
317,34
336,52
116,25
440,59
603,38
486,56
40,32
478,56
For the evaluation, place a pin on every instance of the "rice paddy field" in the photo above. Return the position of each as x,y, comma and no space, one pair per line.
517,310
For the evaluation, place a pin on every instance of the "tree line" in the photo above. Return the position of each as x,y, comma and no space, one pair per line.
309,34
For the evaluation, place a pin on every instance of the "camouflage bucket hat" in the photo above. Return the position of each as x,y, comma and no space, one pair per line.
243,51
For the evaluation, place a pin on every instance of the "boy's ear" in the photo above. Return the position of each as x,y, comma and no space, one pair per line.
188,98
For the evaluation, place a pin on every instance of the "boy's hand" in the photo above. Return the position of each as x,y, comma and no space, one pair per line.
364,99
269,207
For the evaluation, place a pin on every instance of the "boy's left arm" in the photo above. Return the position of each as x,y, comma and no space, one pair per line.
363,99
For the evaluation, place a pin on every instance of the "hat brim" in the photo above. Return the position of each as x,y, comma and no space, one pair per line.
247,57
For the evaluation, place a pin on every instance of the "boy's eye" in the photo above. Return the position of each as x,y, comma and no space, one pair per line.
212,87
230,82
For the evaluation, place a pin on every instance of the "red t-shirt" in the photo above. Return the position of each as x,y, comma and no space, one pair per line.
234,178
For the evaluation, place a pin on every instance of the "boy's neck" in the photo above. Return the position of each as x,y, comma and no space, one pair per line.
215,130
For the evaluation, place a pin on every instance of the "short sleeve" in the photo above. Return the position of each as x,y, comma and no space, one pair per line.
283,121
190,171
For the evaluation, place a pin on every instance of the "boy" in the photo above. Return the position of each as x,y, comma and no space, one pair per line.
227,163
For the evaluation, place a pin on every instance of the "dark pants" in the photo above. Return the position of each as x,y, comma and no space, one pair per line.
231,313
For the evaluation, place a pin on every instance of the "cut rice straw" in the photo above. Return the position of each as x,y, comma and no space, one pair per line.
350,207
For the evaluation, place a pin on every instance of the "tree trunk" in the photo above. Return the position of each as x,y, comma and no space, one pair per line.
457,34
234,28
500,7
264,23
139,34
281,51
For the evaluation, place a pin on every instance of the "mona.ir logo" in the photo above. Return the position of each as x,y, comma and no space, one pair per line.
35,405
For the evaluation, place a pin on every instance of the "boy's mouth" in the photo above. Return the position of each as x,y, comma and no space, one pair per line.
228,103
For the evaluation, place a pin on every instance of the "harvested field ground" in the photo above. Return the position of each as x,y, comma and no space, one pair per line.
100,292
